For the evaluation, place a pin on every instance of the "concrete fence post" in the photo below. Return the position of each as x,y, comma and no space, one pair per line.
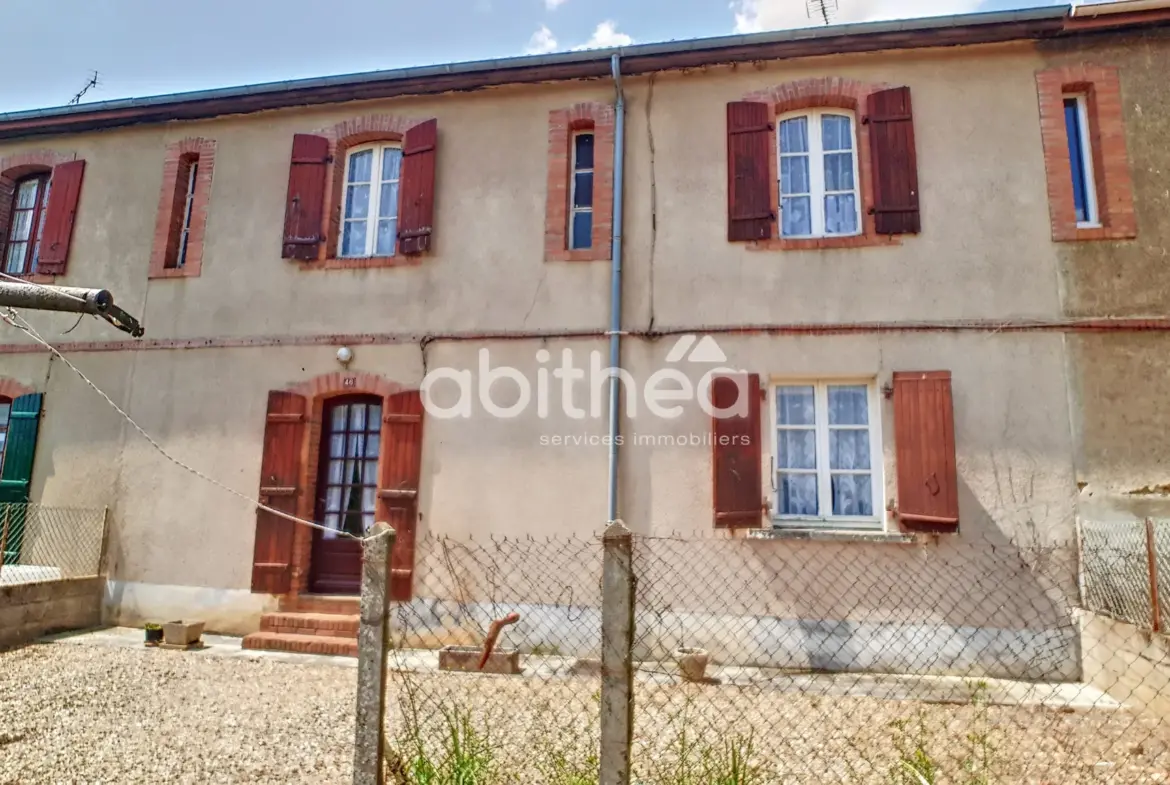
1152,565
617,643
373,648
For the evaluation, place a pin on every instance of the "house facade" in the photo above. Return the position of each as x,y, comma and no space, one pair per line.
920,267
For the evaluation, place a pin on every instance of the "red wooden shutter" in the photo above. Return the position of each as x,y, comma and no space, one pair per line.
64,191
924,436
402,429
280,476
895,163
416,211
305,207
736,457
750,212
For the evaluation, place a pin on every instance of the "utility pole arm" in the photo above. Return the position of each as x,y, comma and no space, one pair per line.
69,299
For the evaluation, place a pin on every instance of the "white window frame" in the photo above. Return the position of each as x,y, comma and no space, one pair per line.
816,174
189,202
1094,215
574,211
375,184
876,522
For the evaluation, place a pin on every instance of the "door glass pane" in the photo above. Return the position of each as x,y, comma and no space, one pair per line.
387,237
360,166
367,523
375,419
852,495
796,216
391,163
798,494
353,239
796,405
841,214
339,417
5,409
337,446
583,151
794,174
336,470
848,405
357,418
836,132
798,449
333,500
583,189
333,521
372,444
370,472
794,135
848,449
369,498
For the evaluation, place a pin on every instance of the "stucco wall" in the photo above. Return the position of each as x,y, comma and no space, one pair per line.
984,254
1122,413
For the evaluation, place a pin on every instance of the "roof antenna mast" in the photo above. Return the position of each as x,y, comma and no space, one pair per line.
93,82
821,9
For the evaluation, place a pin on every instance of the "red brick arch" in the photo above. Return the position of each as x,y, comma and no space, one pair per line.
337,383
10,388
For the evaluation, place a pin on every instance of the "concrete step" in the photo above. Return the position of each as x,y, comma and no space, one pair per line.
334,625
302,644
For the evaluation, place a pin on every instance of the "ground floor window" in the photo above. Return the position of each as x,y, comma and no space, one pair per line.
827,454
347,489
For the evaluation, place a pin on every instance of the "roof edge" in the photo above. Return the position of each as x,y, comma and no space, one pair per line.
988,27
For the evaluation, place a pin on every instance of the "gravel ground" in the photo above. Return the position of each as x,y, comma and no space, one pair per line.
87,714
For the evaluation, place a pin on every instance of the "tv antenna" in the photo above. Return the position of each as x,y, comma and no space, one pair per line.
93,82
821,9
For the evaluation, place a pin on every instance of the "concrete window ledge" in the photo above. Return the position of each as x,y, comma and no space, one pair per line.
818,535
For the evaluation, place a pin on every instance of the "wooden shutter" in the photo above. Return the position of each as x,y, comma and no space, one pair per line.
895,163
305,207
20,449
60,215
416,209
402,428
280,477
737,454
924,436
750,212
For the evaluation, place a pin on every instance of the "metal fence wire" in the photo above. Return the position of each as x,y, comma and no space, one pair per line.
754,661
49,543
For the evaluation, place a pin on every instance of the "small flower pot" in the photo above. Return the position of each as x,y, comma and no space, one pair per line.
692,663
154,634
182,633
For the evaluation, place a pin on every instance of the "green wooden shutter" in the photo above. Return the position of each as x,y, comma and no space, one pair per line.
16,474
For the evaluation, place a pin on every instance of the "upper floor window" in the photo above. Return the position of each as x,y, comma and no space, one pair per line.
27,224
828,452
370,216
187,183
581,203
818,175
1080,155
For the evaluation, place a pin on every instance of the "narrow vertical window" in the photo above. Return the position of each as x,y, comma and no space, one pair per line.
581,204
26,225
370,220
1080,155
5,411
187,184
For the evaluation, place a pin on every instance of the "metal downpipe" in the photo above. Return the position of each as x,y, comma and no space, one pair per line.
615,294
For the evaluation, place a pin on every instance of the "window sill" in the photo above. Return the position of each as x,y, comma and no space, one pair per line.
824,243
580,255
1076,233
175,272
361,263
833,535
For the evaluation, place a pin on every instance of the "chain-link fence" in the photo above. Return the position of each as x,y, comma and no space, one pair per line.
760,660
49,543
1126,571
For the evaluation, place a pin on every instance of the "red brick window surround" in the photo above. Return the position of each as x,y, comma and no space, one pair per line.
1112,185
15,170
564,126
346,135
181,223
824,93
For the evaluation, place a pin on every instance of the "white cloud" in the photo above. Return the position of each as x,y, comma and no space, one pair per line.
553,5
542,42
752,16
606,36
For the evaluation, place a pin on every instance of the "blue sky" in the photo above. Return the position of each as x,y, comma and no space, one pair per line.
148,47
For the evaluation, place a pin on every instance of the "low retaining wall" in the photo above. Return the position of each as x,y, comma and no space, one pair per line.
1129,663
30,610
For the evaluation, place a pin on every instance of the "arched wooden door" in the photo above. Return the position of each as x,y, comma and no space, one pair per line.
346,490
